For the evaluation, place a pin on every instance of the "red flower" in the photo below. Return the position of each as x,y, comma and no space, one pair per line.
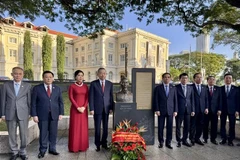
121,144
133,146
129,148
125,149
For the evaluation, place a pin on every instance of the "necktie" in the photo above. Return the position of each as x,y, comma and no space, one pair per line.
16,88
167,91
227,90
184,90
102,86
48,91
199,91
211,90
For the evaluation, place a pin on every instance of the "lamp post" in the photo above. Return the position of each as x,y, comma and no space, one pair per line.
126,61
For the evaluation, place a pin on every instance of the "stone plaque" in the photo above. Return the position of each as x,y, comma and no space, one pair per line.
143,90
143,83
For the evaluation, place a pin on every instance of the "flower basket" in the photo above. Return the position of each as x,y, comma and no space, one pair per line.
127,143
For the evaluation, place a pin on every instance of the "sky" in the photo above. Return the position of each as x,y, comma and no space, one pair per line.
179,39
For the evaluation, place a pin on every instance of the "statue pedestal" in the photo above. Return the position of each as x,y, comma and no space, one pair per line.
123,111
129,111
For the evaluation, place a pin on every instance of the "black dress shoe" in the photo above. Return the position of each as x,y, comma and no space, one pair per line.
169,146
53,153
160,145
193,142
179,144
23,157
223,141
98,149
230,143
199,142
205,141
186,144
41,155
105,147
14,157
214,142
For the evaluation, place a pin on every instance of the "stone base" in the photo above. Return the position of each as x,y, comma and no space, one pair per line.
33,133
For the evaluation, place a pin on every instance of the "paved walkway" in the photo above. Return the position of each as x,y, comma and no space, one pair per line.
206,152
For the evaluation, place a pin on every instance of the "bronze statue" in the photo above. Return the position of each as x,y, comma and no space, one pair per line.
124,95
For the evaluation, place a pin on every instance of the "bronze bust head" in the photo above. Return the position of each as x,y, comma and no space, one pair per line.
124,95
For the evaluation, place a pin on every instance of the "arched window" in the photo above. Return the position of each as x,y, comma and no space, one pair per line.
89,76
110,76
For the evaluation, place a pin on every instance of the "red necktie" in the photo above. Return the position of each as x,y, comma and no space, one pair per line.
48,91
102,86
211,91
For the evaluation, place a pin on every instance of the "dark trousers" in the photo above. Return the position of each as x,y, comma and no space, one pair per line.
213,118
98,118
196,126
48,134
185,118
232,122
169,125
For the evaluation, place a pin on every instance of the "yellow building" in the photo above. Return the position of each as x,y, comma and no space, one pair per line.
108,51
144,50
11,47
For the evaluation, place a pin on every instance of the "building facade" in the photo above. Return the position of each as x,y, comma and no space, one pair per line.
143,50
11,47
203,43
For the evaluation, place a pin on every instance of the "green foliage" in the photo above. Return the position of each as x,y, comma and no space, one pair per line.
47,53
27,56
91,17
60,56
175,74
233,67
212,63
227,37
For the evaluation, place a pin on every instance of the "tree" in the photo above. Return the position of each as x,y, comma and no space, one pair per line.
212,63
47,52
175,73
233,67
91,17
83,17
60,56
27,56
227,37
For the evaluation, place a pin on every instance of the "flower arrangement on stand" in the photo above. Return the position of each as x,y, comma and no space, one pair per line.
127,143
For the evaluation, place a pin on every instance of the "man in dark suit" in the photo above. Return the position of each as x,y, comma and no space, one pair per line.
16,103
201,108
230,109
165,107
186,109
215,107
47,109
101,104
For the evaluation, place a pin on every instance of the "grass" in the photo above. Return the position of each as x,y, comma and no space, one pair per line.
67,105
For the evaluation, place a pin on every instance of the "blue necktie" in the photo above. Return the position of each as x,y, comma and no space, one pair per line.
167,91
227,90
16,88
199,91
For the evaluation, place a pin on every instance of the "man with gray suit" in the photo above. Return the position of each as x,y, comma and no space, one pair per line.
16,99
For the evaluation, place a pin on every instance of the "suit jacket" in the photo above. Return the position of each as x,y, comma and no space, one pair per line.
185,103
201,101
99,101
230,103
215,101
42,104
165,104
12,104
